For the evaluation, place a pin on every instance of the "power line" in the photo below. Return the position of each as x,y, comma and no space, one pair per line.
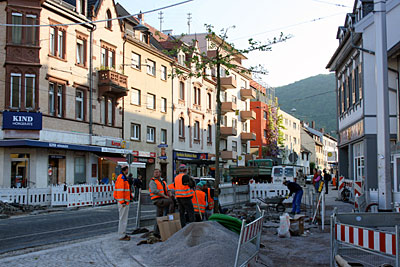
97,21
329,3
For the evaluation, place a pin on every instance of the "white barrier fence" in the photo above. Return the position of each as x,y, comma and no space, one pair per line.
266,191
62,195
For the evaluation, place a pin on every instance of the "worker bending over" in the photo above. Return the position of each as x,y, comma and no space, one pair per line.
295,189
183,195
199,203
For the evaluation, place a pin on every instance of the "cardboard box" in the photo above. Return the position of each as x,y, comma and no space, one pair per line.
169,225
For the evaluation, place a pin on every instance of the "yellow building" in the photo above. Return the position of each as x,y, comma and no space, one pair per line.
291,135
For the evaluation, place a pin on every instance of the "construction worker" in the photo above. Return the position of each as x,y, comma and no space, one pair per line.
294,188
183,195
210,199
122,193
171,191
199,201
160,196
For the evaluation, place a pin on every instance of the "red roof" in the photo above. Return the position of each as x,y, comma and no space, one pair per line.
258,86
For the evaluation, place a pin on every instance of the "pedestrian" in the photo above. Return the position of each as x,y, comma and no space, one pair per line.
137,183
184,194
327,179
210,199
317,180
295,189
160,197
199,203
122,194
315,173
130,181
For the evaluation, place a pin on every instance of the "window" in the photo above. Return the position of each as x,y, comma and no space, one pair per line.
181,91
30,31
294,125
163,104
57,42
244,148
151,131
224,96
52,101
196,130
295,140
107,58
135,96
224,120
234,146
103,110
80,6
30,91
79,170
109,21
265,134
209,133
234,123
151,101
234,99
151,67
223,144
135,61
60,100
244,127
15,100
16,18
358,155
163,136
356,85
209,99
79,107
135,132
265,115
196,96
109,112
81,52
163,73
181,127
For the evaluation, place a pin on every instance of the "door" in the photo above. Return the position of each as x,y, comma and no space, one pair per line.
80,170
396,173
20,170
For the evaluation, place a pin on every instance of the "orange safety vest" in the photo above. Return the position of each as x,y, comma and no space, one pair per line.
171,186
201,197
210,199
161,186
180,189
122,192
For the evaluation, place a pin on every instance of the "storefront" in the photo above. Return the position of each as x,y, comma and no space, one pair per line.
198,163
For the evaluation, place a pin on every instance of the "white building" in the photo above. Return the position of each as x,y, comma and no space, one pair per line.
291,135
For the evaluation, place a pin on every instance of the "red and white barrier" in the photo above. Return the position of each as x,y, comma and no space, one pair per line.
80,195
251,231
103,194
365,238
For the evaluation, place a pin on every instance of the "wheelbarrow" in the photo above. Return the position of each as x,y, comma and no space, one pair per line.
274,203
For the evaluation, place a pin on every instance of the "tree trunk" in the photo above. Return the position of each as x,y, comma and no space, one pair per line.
217,137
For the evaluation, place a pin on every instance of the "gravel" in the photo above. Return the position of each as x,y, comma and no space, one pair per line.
198,244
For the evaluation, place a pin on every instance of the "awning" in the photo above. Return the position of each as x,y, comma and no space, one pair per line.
35,143
122,162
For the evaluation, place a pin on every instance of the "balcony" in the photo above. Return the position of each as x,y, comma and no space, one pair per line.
227,155
247,115
112,83
228,83
248,136
247,94
228,131
228,107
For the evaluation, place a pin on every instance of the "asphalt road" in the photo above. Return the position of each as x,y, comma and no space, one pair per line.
44,229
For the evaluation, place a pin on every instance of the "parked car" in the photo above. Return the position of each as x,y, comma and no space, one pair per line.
309,179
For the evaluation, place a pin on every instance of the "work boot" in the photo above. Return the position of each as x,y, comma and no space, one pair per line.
125,238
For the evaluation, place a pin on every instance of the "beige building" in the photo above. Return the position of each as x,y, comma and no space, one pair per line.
291,135
62,108
311,141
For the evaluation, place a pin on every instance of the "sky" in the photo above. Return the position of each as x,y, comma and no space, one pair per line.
305,54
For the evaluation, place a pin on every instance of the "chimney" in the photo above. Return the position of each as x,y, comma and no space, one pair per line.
322,130
313,124
141,17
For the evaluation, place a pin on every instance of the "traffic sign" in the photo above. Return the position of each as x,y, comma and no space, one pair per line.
129,158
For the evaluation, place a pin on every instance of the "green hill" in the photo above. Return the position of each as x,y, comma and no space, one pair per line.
314,99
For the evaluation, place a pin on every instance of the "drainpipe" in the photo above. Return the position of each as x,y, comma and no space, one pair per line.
172,119
123,98
91,82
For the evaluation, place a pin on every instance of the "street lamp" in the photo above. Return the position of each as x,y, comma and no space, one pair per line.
141,27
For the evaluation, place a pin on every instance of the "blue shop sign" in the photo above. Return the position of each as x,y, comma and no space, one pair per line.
22,120
189,155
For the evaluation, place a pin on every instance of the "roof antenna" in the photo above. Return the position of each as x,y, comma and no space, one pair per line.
161,18
189,18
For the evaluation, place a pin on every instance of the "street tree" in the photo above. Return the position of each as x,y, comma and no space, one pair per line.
219,56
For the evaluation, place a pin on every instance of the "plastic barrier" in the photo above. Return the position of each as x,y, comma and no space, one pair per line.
11,195
80,195
59,195
249,233
31,196
39,196
103,194
267,191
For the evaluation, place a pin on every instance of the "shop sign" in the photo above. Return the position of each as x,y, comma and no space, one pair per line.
115,150
22,120
116,143
55,145
353,132
56,156
145,160
144,154
189,155
162,145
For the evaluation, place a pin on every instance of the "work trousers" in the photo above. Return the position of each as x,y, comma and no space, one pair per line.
164,206
297,201
123,219
326,182
185,206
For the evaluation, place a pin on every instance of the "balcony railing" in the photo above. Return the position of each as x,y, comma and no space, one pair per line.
113,83
247,115
228,131
248,136
247,94
227,155
228,107
228,83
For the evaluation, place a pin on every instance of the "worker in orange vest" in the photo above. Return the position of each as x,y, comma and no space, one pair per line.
171,190
160,196
183,195
199,203
122,193
209,197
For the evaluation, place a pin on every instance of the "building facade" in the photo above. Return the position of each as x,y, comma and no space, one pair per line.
354,65
291,133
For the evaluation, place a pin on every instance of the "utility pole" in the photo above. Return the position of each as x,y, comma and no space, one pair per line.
382,112
161,18
189,18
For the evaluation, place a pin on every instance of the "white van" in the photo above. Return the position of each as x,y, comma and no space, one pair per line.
286,172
